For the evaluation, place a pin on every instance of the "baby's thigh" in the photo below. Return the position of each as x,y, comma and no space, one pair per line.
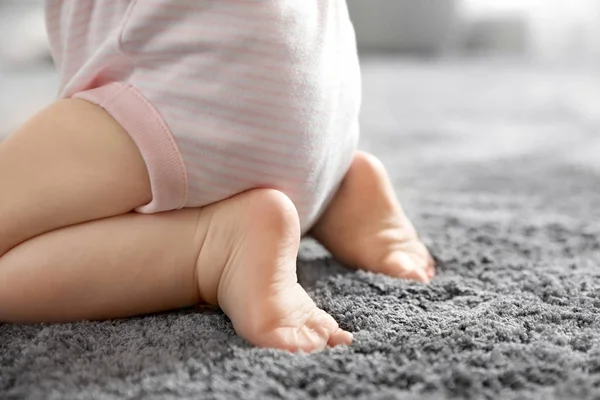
70,163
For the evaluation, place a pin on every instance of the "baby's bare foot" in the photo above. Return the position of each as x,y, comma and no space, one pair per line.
365,225
256,236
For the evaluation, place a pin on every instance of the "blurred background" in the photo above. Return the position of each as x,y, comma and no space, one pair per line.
429,55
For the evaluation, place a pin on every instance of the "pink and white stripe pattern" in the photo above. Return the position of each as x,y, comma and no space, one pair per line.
221,96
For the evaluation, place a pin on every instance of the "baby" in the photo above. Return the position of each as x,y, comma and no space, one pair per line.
193,145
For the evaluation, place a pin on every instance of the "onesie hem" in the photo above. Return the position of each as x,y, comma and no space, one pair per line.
153,138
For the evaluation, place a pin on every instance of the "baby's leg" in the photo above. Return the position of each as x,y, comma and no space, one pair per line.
71,163
365,225
70,250
239,253
108,268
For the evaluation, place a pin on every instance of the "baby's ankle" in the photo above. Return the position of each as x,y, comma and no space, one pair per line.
240,231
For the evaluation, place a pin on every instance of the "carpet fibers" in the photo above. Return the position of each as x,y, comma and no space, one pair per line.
498,167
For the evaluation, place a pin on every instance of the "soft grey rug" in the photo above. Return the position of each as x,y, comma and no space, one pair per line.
498,165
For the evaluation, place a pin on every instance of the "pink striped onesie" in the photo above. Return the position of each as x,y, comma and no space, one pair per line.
220,96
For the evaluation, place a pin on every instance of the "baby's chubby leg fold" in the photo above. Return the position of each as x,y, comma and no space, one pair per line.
365,226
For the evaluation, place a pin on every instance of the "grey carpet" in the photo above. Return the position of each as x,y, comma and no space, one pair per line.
498,166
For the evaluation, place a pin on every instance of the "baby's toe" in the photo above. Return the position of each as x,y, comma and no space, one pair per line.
339,338
404,265
327,329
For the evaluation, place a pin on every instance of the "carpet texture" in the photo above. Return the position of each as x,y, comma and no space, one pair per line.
498,166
